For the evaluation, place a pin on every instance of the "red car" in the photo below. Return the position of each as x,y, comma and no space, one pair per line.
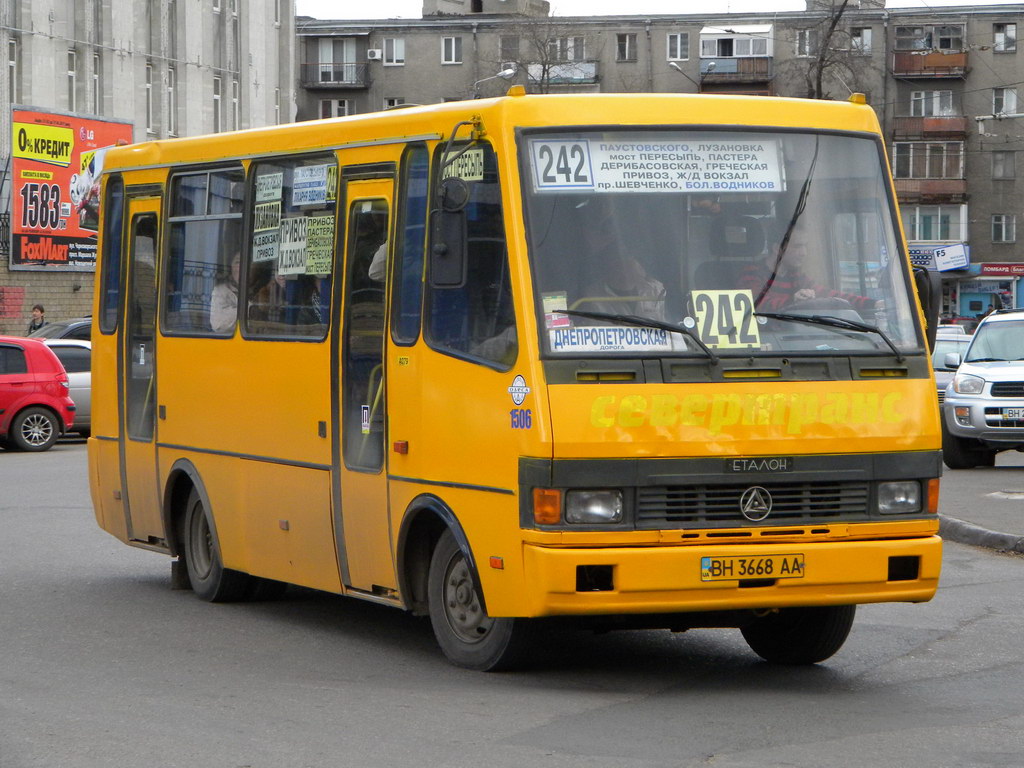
35,408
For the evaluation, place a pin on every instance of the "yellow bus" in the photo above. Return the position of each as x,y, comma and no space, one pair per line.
641,360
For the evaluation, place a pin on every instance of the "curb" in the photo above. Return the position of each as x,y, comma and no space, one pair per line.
968,533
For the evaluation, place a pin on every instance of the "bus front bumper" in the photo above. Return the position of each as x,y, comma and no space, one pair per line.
670,579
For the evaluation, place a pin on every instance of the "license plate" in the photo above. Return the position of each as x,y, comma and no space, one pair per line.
1013,413
732,568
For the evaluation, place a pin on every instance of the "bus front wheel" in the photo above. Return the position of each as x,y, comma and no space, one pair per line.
800,635
210,580
467,635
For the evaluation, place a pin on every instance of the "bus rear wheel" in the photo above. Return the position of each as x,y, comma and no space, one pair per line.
800,635
467,635
210,580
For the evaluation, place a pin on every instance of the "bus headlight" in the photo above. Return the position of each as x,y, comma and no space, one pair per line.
899,498
966,384
593,507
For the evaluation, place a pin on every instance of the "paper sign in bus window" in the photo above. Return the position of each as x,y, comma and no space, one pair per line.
309,185
292,260
268,187
725,319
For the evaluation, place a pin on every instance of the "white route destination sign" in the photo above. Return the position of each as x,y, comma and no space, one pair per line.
657,165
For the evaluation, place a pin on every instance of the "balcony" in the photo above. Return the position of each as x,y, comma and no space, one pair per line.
929,64
563,73
931,190
948,127
335,75
738,69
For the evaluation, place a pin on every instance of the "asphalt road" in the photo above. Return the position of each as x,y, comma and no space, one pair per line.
103,666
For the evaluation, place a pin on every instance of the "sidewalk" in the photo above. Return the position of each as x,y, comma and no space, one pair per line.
998,523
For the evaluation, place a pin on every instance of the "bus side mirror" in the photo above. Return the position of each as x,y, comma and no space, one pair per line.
929,292
448,249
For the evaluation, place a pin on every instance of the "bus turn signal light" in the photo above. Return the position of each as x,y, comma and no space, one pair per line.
547,506
933,496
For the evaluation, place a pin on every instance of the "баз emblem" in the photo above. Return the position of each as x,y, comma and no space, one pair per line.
755,503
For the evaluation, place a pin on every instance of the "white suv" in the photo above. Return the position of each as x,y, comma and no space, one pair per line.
983,412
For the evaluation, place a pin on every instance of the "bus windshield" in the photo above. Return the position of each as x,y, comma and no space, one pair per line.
747,242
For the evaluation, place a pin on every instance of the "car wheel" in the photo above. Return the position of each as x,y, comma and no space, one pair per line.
800,635
467,635
958,452
210,580
34,429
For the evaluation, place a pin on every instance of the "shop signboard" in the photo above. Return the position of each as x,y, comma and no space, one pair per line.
56,164
940,257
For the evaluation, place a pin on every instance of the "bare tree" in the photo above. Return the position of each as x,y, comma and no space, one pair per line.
830,52
548,53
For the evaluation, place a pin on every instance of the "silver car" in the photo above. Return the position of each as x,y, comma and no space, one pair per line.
76,357
983,412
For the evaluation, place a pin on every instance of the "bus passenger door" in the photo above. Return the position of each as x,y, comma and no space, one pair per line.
362,524
137,376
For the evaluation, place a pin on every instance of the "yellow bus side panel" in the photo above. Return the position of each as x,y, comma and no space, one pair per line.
271,520
657,579
105,486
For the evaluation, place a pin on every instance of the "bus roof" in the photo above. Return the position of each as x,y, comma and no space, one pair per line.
420,123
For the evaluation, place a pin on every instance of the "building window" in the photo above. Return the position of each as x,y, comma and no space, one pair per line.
277,106
931,104
567,49
12,70
946,37
806,42
451,50
860,41
96,84
336,107
1004,101
1004,38
393,101
277,12
216,6
935,222
72,80
218,116
1004,228
625,46
172,101
733,46
678,46
508,48
394,51
1004,164
236,115
928,160
149,99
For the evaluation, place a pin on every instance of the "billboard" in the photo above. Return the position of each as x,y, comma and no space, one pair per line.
56,161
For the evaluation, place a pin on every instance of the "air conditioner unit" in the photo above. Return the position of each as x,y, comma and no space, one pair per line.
374,54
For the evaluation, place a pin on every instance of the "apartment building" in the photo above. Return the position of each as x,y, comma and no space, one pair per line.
944,82
165,68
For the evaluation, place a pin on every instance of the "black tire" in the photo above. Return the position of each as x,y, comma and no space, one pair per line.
959,453
800,635
210,580
34,429
467,635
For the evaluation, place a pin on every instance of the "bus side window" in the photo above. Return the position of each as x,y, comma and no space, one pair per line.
205,234
290,251
113,228
407,288
477,319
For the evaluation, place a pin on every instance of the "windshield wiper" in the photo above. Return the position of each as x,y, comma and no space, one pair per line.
987,360
835,322
643,322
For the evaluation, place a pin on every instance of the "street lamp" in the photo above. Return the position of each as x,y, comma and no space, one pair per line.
679,69
505,74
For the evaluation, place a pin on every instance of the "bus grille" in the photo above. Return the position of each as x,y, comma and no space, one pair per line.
707,506
1008,389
